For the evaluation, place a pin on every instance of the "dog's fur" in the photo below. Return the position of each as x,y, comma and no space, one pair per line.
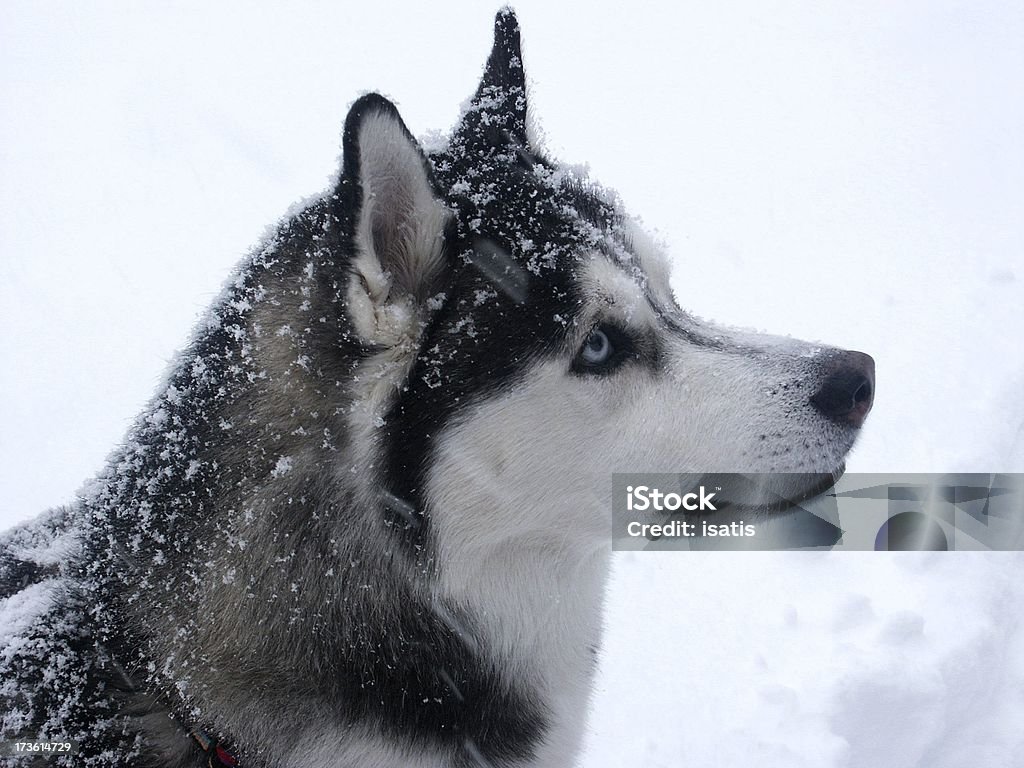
365,522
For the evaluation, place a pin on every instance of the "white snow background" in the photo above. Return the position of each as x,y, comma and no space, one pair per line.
845,172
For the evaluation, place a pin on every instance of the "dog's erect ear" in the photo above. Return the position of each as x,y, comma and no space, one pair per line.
497,112
399,230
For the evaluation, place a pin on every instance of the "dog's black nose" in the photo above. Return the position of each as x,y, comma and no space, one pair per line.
848,390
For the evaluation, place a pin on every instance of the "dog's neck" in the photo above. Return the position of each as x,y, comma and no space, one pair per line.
536,607
533,600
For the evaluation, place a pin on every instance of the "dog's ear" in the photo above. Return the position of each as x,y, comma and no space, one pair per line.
399,229
497,113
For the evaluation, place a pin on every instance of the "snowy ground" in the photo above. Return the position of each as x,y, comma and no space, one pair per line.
850,173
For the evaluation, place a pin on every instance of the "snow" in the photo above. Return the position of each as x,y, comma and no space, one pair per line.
851,174
22,609
813,660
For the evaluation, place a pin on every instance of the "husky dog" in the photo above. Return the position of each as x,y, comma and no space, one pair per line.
364,521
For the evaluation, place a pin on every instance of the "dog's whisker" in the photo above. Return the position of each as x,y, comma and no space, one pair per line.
476,755
448,681
401,507
500,268
460,630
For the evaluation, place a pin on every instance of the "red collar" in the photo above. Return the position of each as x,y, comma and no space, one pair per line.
216,753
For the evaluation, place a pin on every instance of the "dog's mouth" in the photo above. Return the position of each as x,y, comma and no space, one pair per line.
781,510
818,484
773,493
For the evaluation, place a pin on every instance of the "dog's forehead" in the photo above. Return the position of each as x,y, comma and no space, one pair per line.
550,226
522,203
651,259
610,291
627,273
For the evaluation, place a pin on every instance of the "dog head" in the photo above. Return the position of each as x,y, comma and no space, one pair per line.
531,340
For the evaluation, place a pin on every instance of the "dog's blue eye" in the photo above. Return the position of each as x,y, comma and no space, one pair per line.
597,349
605,349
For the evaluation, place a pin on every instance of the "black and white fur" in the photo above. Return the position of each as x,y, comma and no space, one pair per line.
365,521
